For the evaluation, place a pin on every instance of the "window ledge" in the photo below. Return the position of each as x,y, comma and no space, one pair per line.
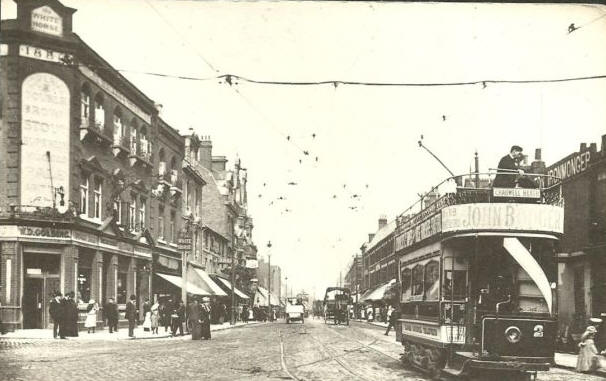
90,219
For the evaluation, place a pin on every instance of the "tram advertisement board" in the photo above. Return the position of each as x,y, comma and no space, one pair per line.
503,216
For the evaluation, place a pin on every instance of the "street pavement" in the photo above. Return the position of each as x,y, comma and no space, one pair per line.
271,351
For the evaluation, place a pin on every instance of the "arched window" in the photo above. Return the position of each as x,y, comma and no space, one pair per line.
417,280
118,126
174,171
161,162
432,280
406,284
143,140
133,137
85,105
99,112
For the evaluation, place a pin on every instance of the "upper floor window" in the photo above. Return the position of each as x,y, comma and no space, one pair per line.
417,280
84,196
132,213
85,106
173,232
133,138
99,112
142,206
98,199
432,280
118,211
119,132
161,222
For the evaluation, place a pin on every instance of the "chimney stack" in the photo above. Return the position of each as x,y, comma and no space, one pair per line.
538,166
583,147
206,152
382,222
603,145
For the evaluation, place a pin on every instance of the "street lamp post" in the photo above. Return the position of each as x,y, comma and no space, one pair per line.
269,280
286,281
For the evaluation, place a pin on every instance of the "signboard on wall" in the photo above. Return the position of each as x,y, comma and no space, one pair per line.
252,264
45,20
45,136
503,216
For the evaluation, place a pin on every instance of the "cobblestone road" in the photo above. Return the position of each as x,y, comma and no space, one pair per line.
275,351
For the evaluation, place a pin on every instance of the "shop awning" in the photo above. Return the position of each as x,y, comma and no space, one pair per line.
215,288
191,288
379,292
261,297
228,285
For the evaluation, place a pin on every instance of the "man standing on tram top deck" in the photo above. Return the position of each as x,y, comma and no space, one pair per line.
507,168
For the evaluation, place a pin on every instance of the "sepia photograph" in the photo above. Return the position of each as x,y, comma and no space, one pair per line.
302,190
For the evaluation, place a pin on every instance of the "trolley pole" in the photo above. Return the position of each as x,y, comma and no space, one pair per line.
269,279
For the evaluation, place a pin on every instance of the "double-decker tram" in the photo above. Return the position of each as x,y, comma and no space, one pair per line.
477,272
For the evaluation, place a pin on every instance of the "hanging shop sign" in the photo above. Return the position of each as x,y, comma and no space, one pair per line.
503,216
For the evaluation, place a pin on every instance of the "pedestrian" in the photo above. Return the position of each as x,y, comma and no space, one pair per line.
245,314
588,360
131,315
70,315
251,314
369,314
178,316
111,313
154,317
91,315
165,312
393,316
195,320
57,313
146,315
205,313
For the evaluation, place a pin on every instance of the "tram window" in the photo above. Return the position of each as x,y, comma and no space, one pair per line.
460,284
432,280
417,281
406,286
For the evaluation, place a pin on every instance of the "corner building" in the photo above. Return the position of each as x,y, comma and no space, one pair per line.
76,181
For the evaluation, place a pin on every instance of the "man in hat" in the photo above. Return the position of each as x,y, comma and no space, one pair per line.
205,311
508,168
131,315
195,320
57,313
111,313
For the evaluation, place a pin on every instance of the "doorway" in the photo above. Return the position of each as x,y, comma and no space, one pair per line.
33,303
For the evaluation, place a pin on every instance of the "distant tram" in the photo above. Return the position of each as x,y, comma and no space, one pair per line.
478,274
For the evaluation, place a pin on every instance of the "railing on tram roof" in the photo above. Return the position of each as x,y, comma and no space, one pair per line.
476,187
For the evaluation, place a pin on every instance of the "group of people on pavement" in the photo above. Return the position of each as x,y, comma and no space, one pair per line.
591,354
64,312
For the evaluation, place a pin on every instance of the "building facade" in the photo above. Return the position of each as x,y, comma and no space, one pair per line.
95,187
582,257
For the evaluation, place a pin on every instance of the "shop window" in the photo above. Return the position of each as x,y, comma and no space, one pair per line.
459,284
84,283
142,209
85,106
98,200
417,281
84,195
99,112
406,284
121,286
432,280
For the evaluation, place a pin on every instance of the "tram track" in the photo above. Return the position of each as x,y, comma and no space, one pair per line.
330,355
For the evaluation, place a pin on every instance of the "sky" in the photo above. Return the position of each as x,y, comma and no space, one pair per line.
364,137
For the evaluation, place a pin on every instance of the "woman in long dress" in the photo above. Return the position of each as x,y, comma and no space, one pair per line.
588,360
91,316
155,317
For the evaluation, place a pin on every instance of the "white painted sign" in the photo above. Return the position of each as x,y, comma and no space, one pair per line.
516,192
252,264
43,54
115,93
3,49
503,216
45,20
44,128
